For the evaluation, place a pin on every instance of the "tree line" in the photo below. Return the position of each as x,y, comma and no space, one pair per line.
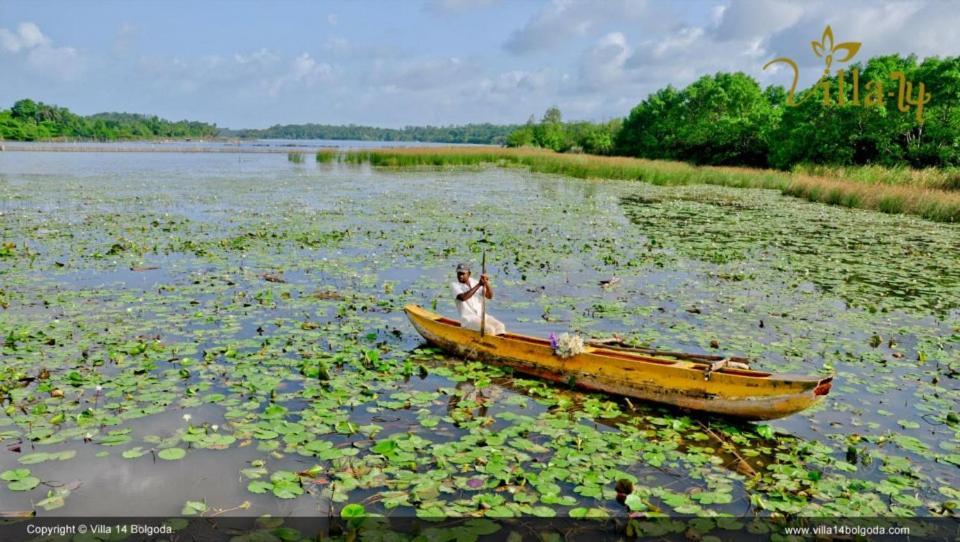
28,120
484,134
727,119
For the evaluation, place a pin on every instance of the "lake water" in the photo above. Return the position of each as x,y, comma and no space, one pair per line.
224,145
228,330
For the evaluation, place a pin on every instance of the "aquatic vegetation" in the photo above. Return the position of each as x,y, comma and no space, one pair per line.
327,156
246,322
938,178
934,200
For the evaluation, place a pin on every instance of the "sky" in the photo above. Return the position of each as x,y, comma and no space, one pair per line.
247,64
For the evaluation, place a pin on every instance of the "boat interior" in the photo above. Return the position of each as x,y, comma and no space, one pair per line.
625,355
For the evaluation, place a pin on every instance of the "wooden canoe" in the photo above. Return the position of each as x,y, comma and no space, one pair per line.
680,380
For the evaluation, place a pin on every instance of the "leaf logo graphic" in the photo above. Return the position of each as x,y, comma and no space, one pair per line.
832,52
828,51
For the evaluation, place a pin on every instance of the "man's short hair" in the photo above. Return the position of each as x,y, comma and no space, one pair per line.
463,268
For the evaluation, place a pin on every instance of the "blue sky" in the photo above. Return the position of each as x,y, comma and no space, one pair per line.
253,64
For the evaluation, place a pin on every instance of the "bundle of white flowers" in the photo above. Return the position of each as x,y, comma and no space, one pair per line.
568,345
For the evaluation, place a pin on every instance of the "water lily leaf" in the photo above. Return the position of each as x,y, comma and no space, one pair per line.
765,431
287,490
193,508
352,511
635,503
34,458
259,486
172,454
24,484
15,474
134,453
56,498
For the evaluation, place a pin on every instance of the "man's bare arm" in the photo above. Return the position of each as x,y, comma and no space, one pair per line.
487,290
469,293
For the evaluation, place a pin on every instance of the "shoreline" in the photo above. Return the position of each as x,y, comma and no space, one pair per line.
162,148
250,147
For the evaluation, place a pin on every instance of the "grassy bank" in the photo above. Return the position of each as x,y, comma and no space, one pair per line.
930,194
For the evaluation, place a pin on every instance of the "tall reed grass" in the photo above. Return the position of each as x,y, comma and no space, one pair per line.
936,178
923,194
326,156
295,157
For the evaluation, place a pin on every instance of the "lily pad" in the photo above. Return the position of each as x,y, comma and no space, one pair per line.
172,454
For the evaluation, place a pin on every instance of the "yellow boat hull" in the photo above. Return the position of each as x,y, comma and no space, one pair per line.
745,394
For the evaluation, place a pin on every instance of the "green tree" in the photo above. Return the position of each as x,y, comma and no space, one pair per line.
24,110
550,132
719,119
521,137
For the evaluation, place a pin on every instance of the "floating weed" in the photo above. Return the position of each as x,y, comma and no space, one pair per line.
193,508
172,454
20,480
324,368
283,484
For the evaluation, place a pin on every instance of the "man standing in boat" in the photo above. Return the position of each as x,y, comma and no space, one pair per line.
469,304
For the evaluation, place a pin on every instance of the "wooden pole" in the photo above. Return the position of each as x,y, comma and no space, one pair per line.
483,296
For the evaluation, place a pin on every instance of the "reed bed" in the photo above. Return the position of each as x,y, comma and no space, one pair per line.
930,203
925,194
295,157
326,156
935,178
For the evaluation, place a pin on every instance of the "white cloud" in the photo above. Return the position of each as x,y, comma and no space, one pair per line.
421,74
747,20
523,80
39,53
62,62
562,19
27,36
602,64
262,72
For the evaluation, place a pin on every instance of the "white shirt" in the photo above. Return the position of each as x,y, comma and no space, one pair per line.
469,309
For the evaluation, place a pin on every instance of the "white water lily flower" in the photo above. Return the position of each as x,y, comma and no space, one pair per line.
215,427
186,417
99,388
88,436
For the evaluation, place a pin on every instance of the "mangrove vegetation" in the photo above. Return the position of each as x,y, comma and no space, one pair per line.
727,119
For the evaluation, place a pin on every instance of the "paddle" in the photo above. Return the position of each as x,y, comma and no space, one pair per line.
483,296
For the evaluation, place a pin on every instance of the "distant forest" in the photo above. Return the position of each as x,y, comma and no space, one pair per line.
28,120
484,134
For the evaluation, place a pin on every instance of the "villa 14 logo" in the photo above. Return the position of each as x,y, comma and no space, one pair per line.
874,95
